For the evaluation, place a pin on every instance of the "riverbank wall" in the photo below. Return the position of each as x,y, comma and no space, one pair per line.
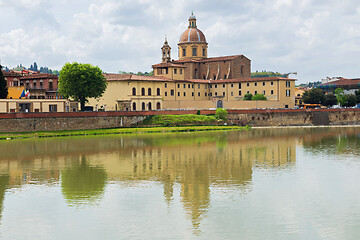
32,122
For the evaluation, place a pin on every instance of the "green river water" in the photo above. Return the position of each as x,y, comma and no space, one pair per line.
286,183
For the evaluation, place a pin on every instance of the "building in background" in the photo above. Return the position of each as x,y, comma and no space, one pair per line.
195,81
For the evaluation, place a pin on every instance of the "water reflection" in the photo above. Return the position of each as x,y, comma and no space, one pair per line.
194,161
82,183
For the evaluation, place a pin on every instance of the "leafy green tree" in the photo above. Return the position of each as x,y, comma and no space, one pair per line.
313,96
3,85
351,100
248,97
259,97
81,81
341,96
330,100
357,94
221,113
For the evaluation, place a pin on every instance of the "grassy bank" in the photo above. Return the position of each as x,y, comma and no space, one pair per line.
178,120
9,136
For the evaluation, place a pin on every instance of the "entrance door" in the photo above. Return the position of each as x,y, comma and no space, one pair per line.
24,107
219,104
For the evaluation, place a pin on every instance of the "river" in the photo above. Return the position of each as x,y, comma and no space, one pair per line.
285,183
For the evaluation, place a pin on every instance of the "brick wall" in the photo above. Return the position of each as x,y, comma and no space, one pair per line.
28,122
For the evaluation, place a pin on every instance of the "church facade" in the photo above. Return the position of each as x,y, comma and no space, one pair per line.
195,81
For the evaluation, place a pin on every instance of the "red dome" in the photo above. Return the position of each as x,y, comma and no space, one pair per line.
192,35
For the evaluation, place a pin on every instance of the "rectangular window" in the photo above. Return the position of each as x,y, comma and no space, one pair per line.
223,85
263,83
204,52
224,94
184,94
180,71
264,92
242,70
205,94
272,92
172,92
184,52
178,85
52,108
165,85
198,94
192,94
192,86
188,85
215,85
184,85
194,51
247,84
166,70
178,94
175,71
255,84
232,94
239,93
215,93
198,86
288,93
287,83
165,94
255,92
272,83
239,85
232,85
224,76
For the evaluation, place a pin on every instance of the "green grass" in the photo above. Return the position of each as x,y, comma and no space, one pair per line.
176,120
9,136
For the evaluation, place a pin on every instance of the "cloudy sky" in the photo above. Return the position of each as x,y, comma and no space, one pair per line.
316,38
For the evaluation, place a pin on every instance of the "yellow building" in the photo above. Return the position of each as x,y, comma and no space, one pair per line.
195,81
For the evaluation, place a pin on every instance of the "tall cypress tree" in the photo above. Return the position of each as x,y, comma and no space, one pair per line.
3,85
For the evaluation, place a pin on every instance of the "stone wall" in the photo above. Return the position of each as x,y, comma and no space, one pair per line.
28,122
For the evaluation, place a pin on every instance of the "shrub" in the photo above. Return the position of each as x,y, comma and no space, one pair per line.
259,97
248,97
221,113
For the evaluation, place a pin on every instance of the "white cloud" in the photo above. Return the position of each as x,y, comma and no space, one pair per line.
315,38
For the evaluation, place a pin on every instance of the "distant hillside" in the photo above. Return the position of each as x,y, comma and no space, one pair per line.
268,74
33,67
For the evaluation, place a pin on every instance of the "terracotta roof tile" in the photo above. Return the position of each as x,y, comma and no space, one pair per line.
38,76
168,65
129,77
342,82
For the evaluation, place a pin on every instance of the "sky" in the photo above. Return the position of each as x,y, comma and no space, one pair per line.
315,38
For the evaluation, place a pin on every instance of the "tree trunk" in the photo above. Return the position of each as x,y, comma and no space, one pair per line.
82,104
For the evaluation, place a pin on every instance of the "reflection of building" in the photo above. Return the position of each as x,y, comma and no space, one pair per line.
195,81
195,162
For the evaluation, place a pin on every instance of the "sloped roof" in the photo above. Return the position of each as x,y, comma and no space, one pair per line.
130,77
38,76
343,82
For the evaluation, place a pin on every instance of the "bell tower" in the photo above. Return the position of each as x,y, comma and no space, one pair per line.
166,52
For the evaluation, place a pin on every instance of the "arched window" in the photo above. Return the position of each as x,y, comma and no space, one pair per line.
158,106
143,106
143,91
149,105
134,106
134,91
158,91
149,91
